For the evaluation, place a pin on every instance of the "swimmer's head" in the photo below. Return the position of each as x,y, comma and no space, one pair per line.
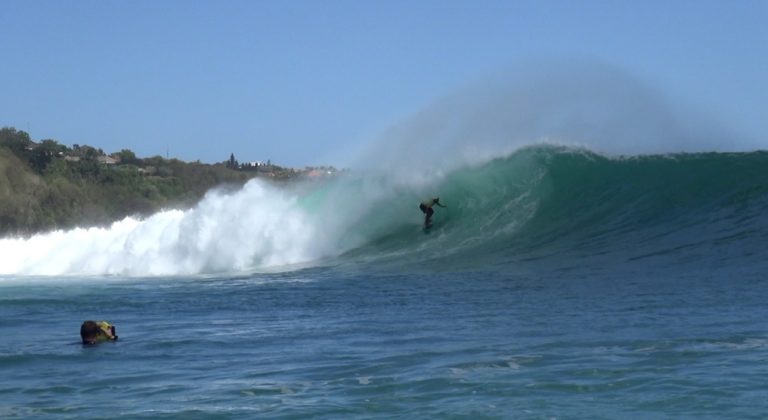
94,332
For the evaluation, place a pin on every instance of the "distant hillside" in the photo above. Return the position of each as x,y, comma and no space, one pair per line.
46,185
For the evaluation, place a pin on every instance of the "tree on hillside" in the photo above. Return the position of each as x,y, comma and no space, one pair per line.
84,151
232,162
127,157
16,140
44,153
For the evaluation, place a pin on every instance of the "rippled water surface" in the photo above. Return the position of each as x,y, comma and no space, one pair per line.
340,343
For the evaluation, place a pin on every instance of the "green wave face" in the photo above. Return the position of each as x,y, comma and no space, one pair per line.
543,203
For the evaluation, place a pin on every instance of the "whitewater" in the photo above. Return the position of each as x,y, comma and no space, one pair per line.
601,256
258,226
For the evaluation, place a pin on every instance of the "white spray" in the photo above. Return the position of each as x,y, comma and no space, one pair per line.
574,103
256,227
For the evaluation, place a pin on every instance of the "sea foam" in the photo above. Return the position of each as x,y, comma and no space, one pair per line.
257,226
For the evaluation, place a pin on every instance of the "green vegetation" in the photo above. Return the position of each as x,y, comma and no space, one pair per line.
47,185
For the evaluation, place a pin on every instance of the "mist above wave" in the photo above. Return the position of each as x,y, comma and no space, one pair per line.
585,104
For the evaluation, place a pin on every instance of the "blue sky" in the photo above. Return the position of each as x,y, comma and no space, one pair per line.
307,82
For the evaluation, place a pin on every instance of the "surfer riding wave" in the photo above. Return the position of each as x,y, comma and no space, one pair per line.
426,208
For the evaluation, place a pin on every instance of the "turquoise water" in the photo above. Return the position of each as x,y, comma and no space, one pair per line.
558,284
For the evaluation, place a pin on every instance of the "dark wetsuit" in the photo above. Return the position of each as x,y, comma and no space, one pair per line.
426,208
428,211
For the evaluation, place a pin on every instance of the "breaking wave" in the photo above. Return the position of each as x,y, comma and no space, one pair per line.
541,203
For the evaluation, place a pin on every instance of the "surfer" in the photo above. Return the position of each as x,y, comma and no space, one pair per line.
426,207
95,332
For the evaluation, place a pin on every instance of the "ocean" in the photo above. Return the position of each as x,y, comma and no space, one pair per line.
558,283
